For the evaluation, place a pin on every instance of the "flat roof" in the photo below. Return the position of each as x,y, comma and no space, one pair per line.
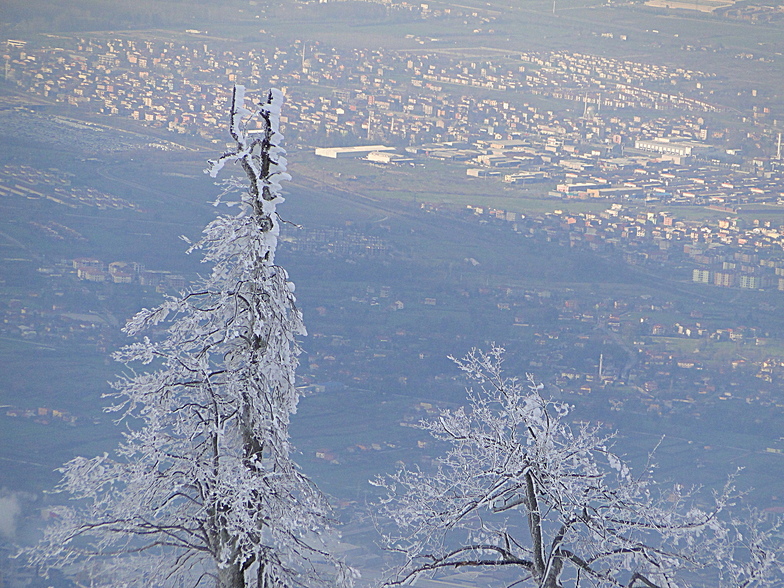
355,149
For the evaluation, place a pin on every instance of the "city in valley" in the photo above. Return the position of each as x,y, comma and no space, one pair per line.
597,188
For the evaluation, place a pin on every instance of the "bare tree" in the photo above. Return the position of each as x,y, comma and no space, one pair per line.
203,490
522,492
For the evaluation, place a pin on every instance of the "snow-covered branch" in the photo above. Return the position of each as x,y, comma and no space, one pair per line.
203,486
520,487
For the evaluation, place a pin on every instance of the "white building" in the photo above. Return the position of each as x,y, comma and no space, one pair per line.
350,152
387,157
667,147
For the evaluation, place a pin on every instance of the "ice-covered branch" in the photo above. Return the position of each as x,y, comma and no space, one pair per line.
558,503
204,476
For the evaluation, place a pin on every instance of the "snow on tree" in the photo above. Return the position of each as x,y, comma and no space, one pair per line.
203,489
522,492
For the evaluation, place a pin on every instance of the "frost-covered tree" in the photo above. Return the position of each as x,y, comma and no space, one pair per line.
203,489
545,503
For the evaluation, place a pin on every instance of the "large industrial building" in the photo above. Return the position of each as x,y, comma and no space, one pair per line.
668,147
350,152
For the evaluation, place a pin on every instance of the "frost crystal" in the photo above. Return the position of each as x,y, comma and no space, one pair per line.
519,489
203,489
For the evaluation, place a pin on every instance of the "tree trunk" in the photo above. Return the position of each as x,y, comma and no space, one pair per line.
231,576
